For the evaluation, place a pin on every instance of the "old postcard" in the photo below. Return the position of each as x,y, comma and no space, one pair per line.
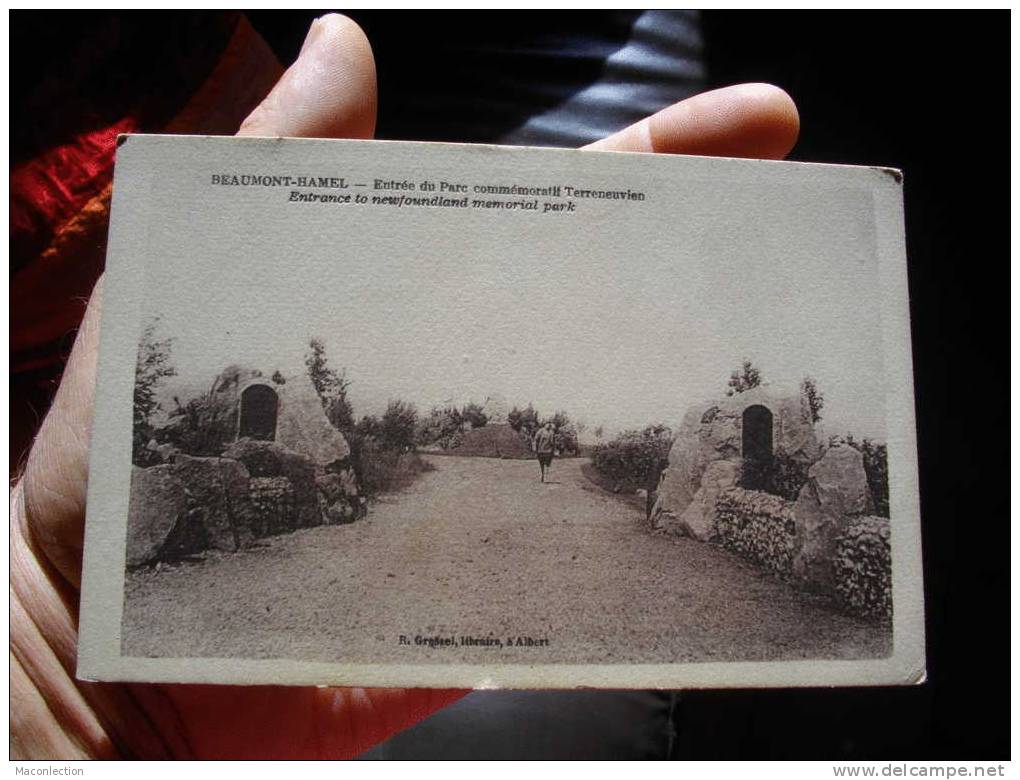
399,414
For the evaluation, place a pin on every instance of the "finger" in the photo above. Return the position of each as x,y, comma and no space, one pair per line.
56,473
329,91
746,120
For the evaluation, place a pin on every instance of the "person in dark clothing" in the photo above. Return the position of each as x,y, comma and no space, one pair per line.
545,447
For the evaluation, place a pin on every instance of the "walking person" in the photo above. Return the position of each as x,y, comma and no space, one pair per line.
545,446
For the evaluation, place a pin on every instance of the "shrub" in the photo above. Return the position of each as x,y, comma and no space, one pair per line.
443,426
758,526
564,433
490,441
746,378
633,458
381,469
473,415
397,426
782,476
203,426
863,568
524,421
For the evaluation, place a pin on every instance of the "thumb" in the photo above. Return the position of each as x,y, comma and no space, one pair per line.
745,120
329,91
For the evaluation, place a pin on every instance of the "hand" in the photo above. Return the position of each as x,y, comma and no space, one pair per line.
330,91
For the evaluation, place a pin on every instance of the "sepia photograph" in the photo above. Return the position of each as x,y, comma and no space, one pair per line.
481,428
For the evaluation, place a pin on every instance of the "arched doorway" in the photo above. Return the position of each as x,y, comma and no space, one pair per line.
258,413
756,447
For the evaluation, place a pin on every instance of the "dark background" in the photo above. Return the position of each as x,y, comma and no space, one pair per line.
927,93
924,92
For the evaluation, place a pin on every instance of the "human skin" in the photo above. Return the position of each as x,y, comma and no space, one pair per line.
329,92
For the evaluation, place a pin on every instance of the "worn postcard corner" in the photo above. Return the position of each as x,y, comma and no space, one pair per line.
403,414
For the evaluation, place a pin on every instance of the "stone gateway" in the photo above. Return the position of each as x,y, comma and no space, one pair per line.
270,462
716,485
746,430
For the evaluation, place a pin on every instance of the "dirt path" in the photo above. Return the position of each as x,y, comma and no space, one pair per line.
479,547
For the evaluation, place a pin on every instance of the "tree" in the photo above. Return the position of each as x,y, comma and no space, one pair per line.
524,421
474,414
812,401
441,426
367,427
747,377
564,433
151,368
397,425
331,387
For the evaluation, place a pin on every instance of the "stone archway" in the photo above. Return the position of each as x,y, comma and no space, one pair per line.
257,414
756,447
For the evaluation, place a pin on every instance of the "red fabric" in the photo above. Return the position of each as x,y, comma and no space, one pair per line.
50,189
46,194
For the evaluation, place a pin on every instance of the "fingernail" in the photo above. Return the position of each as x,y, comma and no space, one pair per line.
314,33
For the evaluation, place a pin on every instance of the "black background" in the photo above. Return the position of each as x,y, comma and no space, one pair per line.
927,93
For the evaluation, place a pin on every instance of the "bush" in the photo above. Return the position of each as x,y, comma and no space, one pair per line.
474,415
783,476
490,441
397,426
633,458
863,568
443,426
745,379
564,434
524,421
203,427
381,469
758,526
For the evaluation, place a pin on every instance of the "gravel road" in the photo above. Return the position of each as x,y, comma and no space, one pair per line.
480,548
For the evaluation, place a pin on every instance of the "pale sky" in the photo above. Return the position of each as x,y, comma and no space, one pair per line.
614,322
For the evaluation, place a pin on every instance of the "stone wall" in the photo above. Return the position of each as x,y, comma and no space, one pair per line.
258,489
272,504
